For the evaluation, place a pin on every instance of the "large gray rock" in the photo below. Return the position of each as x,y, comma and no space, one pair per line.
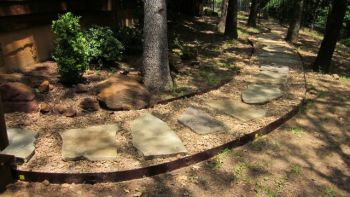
260,94
200,122
21,143
94,143
276,60
279,69
236,108
270,77
277,49
122,93
153,137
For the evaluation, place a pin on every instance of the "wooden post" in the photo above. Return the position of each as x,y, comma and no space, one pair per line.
4,141
6,161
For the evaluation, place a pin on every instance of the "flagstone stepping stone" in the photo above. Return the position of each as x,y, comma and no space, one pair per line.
237,109
269,77
200,122
260,94
265,54
153,137
93,143
279,60
278,69
21,143
278,49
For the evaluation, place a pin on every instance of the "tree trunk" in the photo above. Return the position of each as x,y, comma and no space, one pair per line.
4,141
294,25
333,27
155,57
253,13
347,29
221,26
231,20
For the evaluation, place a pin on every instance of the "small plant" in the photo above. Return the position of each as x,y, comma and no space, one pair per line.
297,131
295,171
177,91
103,46
71,52
131,38
329,192
345,79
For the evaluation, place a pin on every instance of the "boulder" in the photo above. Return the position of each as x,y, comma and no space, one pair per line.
89,104
20,106
16,91
120,93
18,97
65,110
44,86
81,88
45,108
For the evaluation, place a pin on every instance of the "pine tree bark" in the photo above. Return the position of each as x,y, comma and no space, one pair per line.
253,13
294,25
334,23
4,142
155,56
231,20
222,23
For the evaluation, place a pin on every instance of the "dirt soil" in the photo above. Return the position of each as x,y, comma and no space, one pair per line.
309,156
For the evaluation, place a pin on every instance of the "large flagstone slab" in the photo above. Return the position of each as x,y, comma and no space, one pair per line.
270,77
260,94
267,54
236,108
153,137
279,60
277,49
279,69
95,143
21,143
200,121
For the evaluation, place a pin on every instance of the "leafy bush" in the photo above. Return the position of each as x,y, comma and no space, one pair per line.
103,46
71,52
131,38
346,42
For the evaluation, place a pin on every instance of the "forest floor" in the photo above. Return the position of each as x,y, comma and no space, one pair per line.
308,156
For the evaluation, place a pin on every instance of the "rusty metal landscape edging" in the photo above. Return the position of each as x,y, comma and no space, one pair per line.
126,175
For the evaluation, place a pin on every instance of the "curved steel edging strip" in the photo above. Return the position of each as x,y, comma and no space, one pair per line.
118,176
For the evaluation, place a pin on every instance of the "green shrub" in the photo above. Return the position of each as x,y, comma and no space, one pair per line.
71,52
131,38
103,46
346,42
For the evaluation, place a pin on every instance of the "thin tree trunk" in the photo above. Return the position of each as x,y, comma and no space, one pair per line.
4,141
294,25
222,22
333,27
155,57
231,20
253,13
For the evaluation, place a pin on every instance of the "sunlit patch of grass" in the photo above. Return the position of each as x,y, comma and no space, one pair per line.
217,161
294,171
312,33
273,191
345,79
177,91
329,192
263,144
297,131
240,169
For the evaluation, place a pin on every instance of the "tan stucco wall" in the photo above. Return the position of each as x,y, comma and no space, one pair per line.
22,48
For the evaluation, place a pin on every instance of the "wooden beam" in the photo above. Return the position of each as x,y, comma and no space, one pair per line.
4,141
